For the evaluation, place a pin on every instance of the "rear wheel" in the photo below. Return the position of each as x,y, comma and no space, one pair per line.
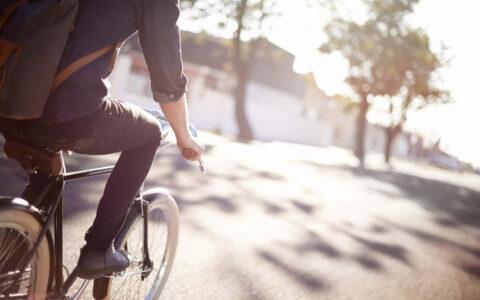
19,230
140,280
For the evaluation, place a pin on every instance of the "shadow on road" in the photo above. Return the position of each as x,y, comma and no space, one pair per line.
308,281
391,250
451,205
472,269
432,238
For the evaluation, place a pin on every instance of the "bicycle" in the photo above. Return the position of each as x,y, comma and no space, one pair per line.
31,259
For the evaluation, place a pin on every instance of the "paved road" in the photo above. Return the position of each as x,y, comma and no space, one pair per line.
282,221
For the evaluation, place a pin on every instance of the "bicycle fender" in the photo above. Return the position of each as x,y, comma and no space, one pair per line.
21,204
156,193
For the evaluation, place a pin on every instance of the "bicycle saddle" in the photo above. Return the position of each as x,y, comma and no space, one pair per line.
33,157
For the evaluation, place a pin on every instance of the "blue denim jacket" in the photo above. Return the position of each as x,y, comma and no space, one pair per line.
105,22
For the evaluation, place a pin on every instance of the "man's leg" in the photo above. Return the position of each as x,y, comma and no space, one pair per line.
127,128
122,186
117,126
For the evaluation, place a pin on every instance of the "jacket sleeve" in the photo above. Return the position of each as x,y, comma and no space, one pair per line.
160,40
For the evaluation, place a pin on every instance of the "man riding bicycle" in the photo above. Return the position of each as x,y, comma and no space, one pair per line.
81,117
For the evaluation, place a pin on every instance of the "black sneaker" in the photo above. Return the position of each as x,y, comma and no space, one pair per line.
94,264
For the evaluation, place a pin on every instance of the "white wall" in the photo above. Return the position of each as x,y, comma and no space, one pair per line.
210,109
274,115
400,146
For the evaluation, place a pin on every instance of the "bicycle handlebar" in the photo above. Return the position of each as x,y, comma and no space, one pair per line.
165,126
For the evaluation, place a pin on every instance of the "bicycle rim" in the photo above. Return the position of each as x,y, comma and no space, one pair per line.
162,241
18,233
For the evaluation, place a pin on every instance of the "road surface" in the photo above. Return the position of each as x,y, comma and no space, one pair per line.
283,221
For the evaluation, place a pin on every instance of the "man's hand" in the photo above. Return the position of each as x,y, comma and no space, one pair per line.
190,143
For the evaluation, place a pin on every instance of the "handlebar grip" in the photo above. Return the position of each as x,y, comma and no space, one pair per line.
188,153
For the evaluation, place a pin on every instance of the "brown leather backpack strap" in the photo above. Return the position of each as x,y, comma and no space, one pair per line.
113,59
78,64
6,48
9,11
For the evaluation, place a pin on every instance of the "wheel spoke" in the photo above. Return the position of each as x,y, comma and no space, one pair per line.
13,241
20,244
6,241
7,282
24,272
2,237
13,273
11,248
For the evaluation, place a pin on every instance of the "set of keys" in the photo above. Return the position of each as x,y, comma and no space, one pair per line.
201,166
189,153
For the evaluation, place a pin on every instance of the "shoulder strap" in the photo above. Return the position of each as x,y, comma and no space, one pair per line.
78,64
8,12
113,59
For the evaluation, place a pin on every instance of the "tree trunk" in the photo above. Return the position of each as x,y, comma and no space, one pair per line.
388,144
361,125
244,129
242,73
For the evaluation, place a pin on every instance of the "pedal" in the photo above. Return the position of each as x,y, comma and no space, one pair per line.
136,262
115,274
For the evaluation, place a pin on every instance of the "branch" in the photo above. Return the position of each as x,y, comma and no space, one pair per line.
237,41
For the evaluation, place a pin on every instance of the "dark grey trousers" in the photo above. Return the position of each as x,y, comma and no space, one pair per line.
115,127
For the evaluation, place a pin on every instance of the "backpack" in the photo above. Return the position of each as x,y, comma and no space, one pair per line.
33,35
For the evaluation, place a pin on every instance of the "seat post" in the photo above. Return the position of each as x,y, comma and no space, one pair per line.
40,199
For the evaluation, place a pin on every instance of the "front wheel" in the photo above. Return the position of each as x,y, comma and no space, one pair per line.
142,281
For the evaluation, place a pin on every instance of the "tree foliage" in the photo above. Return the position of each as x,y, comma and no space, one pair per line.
388,59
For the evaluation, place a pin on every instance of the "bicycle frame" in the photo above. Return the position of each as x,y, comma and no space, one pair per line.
55,212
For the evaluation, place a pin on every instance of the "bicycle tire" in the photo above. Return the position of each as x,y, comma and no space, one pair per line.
131,236
19,230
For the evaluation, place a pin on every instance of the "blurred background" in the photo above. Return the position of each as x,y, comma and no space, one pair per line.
342,151
390,77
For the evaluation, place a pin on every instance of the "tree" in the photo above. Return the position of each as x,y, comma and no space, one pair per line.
244,22
388,60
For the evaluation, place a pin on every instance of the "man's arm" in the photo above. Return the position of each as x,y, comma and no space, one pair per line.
160,40
159,37
176,113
